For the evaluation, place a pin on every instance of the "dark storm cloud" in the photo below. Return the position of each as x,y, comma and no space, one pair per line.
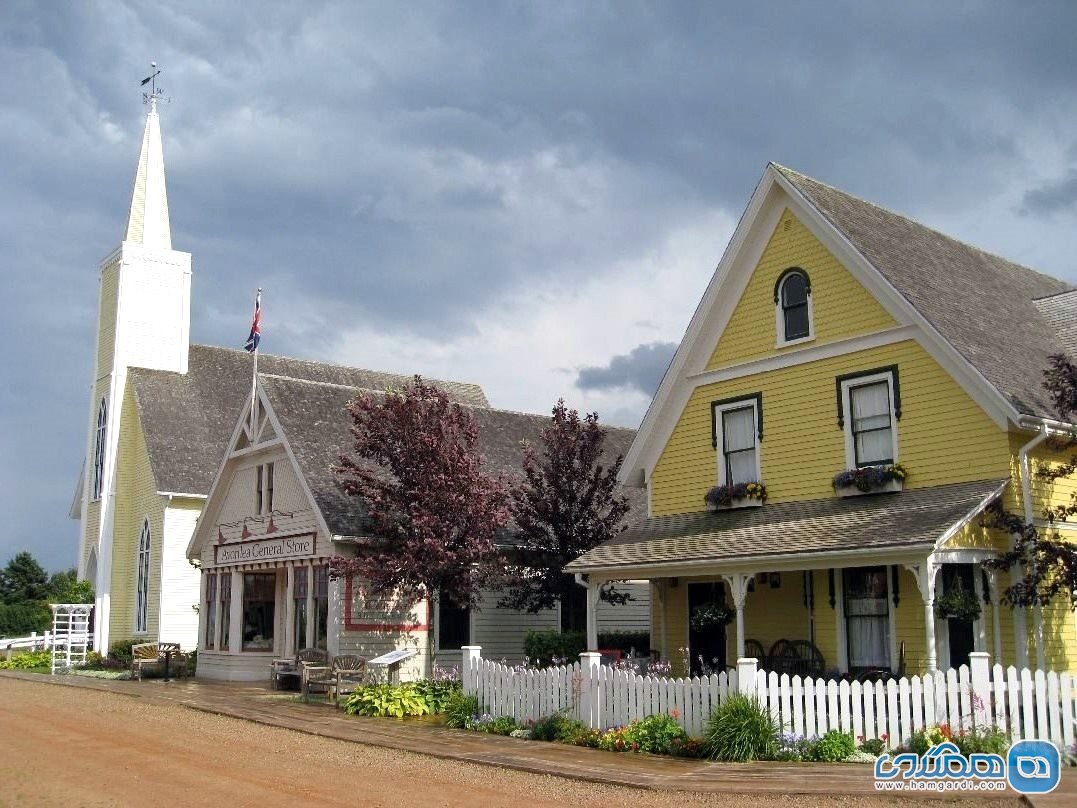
640,369
409,166
1053,197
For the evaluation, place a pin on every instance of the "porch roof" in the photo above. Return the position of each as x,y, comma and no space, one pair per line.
916,518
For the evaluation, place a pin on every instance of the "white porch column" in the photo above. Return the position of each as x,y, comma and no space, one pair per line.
925,579
289,612
594,588
980,625
312,636
738,588
235,614
203,588
996,626
335,617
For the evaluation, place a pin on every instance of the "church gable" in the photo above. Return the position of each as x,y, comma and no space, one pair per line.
836,306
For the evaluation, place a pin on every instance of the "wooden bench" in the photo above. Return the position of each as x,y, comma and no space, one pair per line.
344,670
151,653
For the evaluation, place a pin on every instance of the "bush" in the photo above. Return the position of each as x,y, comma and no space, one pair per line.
924,739
543,647
460,710
437,693
834,747
983,741
618,739
687,748
656,734
27,660
381,701
20,619
556,727
495,726
740,729
121,651
873,746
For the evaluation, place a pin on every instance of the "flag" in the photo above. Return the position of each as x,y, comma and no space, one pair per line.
256,326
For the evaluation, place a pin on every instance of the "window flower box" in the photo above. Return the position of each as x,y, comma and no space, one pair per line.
730,497
870,480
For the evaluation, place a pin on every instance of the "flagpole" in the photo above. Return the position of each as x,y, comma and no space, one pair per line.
254,373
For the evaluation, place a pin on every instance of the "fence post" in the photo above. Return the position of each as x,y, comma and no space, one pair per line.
33,640
746,670
472,655
591,695
980,676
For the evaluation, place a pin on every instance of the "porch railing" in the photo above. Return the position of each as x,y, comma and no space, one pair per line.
1024,704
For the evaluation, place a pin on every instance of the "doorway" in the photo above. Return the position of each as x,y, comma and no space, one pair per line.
706,636
960,634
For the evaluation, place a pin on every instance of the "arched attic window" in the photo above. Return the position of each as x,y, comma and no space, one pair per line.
793,307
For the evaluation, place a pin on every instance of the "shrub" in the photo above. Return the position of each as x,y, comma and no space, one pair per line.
499,726
437,692
579,735
924,739
656,734
983,741
834,747
543,647
618,739
552,727
381,701
687,748
460,709
27,660
121,651
741,729
873,746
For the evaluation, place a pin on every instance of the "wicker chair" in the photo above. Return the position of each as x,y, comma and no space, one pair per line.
346,669
796,658
754,648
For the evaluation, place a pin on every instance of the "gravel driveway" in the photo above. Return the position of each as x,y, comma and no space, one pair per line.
66,746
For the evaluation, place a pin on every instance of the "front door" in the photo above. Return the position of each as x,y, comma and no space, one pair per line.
706,636
960,633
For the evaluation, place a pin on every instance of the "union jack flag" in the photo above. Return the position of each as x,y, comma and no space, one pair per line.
256,326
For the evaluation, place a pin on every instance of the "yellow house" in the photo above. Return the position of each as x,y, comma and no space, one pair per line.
839,338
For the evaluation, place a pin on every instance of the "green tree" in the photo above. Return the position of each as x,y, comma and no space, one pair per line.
23,579
65,587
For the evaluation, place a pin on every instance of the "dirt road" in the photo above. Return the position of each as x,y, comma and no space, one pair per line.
75,747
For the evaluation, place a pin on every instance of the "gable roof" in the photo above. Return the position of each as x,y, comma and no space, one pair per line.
1061,312
317,429
916,518
188,418
984,305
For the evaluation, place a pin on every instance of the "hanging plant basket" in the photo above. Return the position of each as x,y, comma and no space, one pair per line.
869,480
960,604
742,495
711,615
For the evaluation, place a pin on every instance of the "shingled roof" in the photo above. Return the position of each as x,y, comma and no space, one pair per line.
188,418
317,429
911,519
984,305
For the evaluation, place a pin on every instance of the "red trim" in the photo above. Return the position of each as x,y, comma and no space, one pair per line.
350,625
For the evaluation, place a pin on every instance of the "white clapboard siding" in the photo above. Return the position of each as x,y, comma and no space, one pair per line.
1043,705
501,632
635,615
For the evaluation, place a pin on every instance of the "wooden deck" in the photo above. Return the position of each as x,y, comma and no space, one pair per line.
255,703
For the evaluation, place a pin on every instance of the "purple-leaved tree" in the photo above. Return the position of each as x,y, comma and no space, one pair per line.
433,511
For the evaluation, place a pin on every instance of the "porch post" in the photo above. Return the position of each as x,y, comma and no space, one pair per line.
289,612
594,588
738,588
203,612
235,615
925,580
980,639
996,627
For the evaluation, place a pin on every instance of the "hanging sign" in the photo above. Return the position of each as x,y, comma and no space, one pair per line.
277,549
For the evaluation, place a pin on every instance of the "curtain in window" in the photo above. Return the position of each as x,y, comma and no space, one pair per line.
738,445
872,431
867,618
299,594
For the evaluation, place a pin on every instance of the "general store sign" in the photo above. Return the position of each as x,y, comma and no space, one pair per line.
252,552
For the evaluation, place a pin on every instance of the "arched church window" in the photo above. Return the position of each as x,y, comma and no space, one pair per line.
99,449
142,598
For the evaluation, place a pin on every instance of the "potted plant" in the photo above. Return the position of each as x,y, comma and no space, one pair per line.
711,615
959,604
869,480
741,495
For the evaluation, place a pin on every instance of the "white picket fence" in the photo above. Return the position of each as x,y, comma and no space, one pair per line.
1023,704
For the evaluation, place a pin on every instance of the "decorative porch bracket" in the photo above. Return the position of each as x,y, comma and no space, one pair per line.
925,572
738,588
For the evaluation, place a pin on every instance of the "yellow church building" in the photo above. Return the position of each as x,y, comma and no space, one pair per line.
853,391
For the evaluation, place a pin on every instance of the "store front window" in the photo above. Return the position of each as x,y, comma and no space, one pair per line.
259,609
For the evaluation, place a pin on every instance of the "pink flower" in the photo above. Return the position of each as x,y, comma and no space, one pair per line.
674,713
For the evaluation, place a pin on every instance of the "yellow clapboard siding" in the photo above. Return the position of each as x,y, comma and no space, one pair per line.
943,435
843,308
136,499
106,336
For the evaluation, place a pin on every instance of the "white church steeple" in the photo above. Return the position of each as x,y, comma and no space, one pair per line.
147,223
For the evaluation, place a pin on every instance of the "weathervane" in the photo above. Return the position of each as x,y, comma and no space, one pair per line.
155,92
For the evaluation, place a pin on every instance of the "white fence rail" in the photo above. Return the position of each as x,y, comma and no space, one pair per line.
1021,703
31,642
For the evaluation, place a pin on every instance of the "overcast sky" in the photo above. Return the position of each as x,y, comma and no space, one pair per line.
528,196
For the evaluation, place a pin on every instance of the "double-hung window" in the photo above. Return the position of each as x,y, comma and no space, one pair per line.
869,411
737,430
263,488
793,307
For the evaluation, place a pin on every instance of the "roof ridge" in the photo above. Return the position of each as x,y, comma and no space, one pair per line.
906,217
467,406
